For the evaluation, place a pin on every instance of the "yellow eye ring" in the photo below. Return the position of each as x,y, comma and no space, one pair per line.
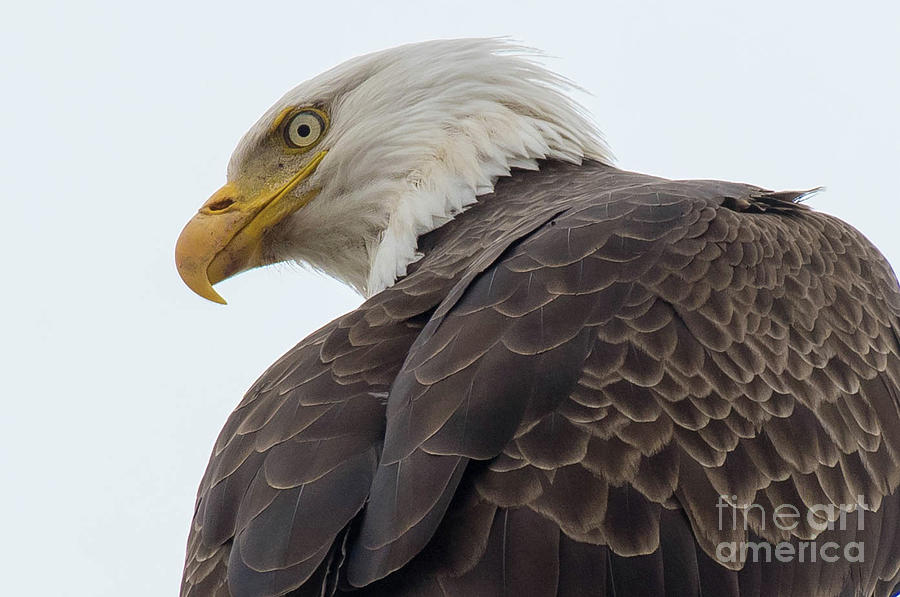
301,129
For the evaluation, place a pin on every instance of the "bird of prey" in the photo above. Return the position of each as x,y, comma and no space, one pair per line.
566,379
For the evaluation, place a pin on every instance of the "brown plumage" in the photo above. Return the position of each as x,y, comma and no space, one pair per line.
553,399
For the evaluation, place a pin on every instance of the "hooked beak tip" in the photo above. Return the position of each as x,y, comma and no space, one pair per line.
192,265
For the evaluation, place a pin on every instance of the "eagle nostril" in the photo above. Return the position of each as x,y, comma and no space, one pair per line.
220,204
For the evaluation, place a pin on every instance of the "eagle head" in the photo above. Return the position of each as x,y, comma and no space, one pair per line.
347,169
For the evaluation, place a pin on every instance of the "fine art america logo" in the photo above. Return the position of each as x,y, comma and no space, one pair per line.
787,518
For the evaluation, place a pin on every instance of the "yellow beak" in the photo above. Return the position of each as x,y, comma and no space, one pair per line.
224,238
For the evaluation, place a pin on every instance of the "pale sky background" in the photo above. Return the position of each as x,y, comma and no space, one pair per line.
117,121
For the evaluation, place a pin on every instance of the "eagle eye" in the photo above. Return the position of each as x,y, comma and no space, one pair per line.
304,128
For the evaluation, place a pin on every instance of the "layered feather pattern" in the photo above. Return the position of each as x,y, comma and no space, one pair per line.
556,397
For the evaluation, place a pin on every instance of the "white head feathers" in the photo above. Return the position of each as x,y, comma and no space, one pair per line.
416,133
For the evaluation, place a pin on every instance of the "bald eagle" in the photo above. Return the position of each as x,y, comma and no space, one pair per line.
566,378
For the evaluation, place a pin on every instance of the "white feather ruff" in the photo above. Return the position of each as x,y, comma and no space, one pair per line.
417,133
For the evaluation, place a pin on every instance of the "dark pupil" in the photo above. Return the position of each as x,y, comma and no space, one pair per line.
303,130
